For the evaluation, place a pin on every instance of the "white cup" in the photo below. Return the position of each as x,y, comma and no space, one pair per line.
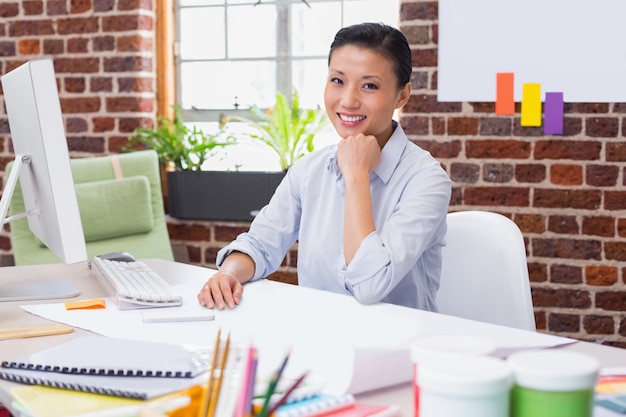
468,386
441,348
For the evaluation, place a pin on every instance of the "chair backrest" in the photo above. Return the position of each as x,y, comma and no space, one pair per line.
121,207
484,274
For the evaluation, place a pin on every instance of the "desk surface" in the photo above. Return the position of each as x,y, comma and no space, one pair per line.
12,315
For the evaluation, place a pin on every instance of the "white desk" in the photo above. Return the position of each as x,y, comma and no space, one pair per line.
385,320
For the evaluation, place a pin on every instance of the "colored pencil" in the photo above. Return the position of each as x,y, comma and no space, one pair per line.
215,392
272,386
282,400
203,409
251,383
240,408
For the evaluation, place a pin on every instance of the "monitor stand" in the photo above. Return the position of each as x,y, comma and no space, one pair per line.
33,290
37,290
9,189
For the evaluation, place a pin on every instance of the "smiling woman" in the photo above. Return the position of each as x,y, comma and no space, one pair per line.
369,213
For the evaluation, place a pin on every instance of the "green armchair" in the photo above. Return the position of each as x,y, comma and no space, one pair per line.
121,207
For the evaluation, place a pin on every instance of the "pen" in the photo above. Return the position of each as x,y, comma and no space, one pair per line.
33,331
272,386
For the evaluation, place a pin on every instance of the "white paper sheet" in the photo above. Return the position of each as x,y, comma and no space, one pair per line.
347,346
538,40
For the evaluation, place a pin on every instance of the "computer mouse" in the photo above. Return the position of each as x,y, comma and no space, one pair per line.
118,256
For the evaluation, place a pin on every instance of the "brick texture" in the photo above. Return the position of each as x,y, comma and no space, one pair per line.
567,193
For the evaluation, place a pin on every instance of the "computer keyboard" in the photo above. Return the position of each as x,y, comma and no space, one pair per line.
134,284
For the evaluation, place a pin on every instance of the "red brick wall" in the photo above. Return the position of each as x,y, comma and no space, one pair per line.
103,57
567,193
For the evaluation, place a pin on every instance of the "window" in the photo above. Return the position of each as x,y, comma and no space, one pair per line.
231,54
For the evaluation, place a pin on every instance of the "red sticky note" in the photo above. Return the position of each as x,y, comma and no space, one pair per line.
505,101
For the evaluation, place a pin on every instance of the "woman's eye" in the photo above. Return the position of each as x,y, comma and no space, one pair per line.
336,81
370,86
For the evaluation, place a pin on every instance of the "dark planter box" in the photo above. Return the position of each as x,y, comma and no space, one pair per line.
219,195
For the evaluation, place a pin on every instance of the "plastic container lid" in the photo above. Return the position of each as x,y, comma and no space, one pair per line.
554,370
466,376
445,346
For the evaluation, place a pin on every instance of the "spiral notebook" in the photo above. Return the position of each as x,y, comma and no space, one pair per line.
119,376
120,386
109,356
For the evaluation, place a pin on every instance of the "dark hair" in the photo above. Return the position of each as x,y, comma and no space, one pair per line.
381,38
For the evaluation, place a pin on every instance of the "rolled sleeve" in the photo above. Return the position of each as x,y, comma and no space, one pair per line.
244,247
271,233
365,278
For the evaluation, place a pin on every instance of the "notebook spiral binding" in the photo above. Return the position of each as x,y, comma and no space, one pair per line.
112,366
114,357
75,387
95,371
120,386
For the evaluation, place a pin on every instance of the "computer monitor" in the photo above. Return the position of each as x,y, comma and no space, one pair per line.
42,164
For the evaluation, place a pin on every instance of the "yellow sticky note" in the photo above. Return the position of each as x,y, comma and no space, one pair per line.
86,304
531,105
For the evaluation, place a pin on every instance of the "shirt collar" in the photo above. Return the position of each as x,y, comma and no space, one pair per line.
391,154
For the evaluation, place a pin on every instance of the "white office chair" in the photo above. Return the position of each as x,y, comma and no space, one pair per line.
484,274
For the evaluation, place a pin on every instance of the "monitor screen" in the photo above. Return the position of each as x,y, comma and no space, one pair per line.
42,162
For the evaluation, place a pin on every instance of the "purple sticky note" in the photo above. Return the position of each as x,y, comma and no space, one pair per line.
553,114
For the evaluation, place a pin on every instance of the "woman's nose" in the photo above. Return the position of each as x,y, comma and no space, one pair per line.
349,98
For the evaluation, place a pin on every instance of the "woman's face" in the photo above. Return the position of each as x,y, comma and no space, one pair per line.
362,93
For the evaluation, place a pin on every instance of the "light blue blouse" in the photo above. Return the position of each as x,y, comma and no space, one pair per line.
399,263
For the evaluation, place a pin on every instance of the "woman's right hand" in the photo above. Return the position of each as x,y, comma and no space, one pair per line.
221,290
358,154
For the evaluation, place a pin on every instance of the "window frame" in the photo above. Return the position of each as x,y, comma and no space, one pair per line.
284,65
169,83
164,52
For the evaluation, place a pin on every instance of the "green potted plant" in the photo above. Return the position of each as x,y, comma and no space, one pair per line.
286,128
179,148
197,194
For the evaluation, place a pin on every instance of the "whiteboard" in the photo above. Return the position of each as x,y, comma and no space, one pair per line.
577,47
